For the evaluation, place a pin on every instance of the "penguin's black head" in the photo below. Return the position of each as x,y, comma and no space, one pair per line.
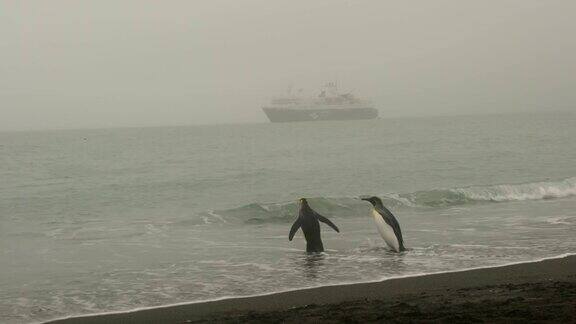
303,204
373,200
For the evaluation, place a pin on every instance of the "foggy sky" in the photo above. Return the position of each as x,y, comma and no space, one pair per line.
109,63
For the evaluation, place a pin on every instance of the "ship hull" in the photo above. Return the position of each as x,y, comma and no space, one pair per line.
284,115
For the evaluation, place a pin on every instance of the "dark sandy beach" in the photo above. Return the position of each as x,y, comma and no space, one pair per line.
543,291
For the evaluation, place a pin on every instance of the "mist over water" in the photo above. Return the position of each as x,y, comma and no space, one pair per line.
115,219
101,64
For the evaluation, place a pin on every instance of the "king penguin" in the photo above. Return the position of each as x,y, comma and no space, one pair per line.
308,220
386,224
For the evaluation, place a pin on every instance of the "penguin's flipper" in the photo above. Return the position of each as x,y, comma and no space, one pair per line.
327,221
294,229
391,220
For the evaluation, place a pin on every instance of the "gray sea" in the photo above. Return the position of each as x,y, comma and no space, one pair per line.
95,221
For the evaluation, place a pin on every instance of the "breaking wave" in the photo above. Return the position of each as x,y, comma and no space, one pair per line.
494,193
528,191
258,213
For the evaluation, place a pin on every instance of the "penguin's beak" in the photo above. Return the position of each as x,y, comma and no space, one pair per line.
365,199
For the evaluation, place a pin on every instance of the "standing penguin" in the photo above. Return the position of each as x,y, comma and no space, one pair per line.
308,220
386,224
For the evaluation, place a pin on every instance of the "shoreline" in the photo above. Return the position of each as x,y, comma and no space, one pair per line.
283,305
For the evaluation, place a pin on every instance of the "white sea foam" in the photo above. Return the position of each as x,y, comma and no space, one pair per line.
561,220
528,191
434,198
564,255
218,217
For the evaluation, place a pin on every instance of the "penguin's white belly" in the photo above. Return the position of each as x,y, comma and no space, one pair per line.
386,231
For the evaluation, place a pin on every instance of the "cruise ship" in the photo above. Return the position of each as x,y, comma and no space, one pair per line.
329,104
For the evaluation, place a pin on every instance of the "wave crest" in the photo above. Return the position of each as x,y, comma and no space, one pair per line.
494,193
259,213
519,192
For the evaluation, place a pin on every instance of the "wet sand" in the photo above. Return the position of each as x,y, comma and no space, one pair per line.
543,291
